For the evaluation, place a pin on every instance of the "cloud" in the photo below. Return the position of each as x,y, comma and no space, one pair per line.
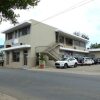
85,19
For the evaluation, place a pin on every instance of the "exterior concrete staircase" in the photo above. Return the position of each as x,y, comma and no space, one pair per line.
51,51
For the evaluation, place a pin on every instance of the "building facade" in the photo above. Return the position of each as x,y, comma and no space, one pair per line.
95,53
26,41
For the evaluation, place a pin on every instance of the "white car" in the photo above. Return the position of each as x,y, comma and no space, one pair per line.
88,61
66,62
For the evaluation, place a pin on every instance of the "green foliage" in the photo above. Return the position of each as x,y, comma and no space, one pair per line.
95,46
42,58
81,35
7,8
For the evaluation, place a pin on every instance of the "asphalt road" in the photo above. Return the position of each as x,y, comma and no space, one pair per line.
34,85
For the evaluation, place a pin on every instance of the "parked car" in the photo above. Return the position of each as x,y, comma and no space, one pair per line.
85,61
66,62
97,61
1,59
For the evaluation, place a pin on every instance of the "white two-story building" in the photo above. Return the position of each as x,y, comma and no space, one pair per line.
24,43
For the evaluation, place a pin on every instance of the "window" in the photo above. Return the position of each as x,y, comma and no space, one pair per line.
25,30
77,43
6,36
69,41
7,46
71,59
9,36
19,33
61,39
15,56
7,57
82,44
57,35
16,33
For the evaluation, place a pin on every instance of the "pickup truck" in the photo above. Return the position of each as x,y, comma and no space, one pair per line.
66,62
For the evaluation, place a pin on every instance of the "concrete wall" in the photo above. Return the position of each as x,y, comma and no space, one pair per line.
23,39
41,35
13,64
96,54
20,63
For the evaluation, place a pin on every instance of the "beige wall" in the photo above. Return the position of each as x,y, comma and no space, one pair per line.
80,48
41,35
14,64
21,62
23,39
97,54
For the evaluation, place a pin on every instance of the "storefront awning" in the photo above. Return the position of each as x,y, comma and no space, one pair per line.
74,50
16,47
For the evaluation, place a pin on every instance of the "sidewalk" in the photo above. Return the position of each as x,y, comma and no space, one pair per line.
6,97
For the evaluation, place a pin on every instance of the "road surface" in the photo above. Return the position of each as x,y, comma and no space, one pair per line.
37,85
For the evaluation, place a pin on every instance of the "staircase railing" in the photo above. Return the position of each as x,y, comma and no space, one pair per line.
50,50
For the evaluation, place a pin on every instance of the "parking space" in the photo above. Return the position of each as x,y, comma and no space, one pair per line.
86,69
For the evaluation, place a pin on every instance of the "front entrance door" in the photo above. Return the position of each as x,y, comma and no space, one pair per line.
7,58
25,54
37,58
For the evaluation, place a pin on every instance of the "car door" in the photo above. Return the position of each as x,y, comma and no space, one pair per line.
71,61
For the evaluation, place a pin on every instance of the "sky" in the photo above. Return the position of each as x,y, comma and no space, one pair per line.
67,15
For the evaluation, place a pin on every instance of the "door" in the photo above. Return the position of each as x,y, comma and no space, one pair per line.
71,61
25,55
37,58
7,58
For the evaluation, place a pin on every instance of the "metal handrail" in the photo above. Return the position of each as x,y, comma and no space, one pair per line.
48,49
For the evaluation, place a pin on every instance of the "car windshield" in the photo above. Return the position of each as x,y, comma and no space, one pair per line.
88,58
63,59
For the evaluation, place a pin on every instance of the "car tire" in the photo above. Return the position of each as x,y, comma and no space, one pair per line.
75,65
57,67
66,65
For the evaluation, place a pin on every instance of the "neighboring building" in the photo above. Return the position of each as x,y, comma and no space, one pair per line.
26,41
94,52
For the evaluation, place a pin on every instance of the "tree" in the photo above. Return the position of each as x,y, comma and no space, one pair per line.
7,8
81,35
95,45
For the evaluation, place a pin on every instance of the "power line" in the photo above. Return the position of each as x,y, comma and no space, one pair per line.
79,4
69,9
